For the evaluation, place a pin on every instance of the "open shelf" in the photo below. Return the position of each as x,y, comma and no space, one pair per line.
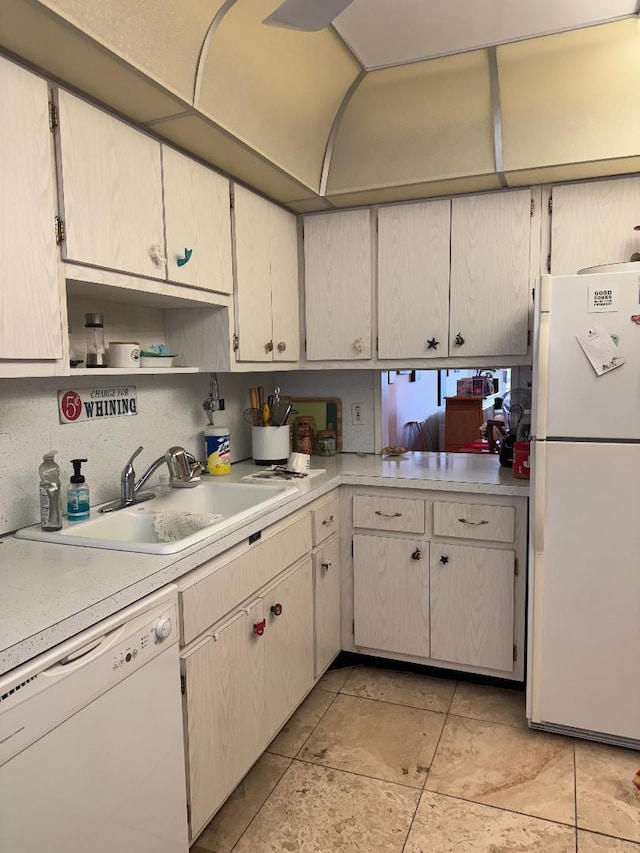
133,371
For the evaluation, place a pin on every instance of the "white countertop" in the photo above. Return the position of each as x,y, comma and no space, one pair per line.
50,592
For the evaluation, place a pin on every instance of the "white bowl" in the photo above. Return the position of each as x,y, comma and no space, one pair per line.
156,360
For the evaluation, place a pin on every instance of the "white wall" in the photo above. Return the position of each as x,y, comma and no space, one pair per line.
404,401
169,412
351,386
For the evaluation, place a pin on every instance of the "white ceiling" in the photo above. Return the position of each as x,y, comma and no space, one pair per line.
391,32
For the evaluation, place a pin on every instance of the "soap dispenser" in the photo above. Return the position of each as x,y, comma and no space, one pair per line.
77,494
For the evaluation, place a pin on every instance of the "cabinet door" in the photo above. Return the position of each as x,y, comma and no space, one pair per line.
472,606
326,596
288,608
29,288
337,281
285,304
490,285
592,223
253,276
391,594
225,726
197,217
413,280
112,191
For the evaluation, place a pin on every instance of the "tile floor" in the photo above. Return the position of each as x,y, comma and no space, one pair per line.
379,760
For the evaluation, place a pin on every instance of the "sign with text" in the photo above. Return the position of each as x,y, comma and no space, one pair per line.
95,404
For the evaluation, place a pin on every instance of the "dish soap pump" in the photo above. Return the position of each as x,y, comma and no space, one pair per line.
50,493
77,494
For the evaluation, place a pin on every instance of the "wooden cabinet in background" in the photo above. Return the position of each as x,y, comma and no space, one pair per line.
338,285
462,421
30,319
593,223
266,248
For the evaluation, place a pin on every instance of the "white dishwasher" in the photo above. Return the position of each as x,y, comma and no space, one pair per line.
91,742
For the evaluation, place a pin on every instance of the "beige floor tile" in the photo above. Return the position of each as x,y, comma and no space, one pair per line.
516,769
590,843
493,704
376,739
243,805
608,802
334,679
319,810
401,688
298,728
443,825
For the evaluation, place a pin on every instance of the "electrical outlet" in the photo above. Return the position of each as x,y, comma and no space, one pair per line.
357,414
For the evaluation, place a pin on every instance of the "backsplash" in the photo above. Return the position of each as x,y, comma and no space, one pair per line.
169,412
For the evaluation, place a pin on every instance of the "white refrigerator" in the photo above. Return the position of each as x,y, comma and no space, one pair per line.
584,583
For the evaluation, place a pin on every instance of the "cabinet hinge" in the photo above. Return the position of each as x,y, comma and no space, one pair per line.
515,653
377,347
353,626
232,198
549,263
533,294
533,206
183,684
58,227
516,567
53,116
550,204
236,343
188,814
305,344
528,337
352,547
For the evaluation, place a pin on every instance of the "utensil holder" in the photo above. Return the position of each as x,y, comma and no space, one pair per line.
270,445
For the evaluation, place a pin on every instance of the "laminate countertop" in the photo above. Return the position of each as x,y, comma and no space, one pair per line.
49,592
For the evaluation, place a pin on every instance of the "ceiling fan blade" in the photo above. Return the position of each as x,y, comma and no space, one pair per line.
306,15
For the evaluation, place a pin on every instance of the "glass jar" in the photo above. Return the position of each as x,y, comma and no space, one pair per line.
326,442
305,427
96,350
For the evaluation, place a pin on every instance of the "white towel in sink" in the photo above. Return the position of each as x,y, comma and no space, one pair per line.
171,526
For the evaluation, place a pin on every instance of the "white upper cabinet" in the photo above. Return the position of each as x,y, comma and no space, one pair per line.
490,279
413,280
30,320
111,191
338,285
197,214
267,324
592,223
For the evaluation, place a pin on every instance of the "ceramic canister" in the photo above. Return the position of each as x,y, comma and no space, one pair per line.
124,354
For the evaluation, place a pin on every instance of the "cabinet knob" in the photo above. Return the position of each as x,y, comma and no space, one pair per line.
326,565
282,346
328,521
417,554
358,344
444,560
459,340
187,255
269,346
276,609
432,343
635,257
258,627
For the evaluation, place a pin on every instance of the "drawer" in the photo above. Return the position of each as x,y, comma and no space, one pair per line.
325,520
474,521
210,592
404,515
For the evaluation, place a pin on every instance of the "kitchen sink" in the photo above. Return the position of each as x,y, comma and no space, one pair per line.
132,529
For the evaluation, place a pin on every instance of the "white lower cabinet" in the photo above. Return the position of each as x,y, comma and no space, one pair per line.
453,597
391,594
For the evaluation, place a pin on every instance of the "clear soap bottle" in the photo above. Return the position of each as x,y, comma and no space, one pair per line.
77,494
50,493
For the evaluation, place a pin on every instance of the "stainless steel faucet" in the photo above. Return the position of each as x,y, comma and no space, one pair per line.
184,471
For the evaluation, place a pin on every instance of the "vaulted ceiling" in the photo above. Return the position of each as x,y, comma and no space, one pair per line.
398,99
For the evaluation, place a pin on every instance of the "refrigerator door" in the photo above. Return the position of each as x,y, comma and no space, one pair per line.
572,401
585,588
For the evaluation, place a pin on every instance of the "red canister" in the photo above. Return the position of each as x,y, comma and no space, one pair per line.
521,468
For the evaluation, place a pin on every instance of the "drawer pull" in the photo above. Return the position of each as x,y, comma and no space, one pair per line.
417,554
258,627
326,565
328,521
467,521
388,514
444,560
276,609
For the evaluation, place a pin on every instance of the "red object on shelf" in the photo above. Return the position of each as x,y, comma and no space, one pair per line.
479,446
521,451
